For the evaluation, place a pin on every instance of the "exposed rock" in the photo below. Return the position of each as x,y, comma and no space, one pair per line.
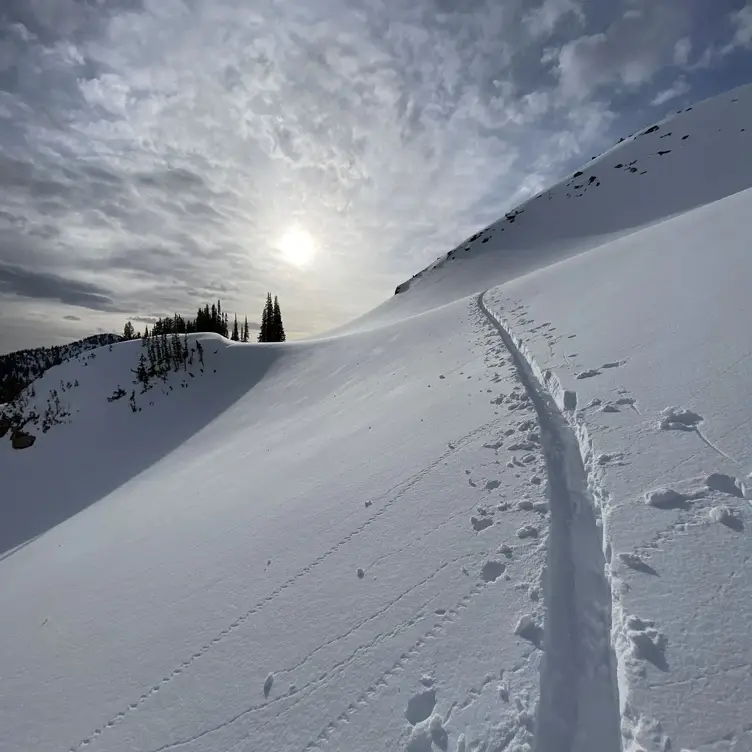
22,440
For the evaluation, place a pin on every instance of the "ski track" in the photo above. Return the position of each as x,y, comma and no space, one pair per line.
395,492
579,705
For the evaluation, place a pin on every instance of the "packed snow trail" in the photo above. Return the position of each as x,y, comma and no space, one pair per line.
579,706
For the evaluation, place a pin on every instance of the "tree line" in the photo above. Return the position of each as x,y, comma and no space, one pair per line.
213,319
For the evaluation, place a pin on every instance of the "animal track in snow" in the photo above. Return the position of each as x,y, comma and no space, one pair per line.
633,561
492,570
391,495
448,616
420,706
589,374
649,644
480,523
614,364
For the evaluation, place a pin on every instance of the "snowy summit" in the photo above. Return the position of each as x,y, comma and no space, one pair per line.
509,509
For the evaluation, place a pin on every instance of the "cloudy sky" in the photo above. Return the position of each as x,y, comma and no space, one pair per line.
156,154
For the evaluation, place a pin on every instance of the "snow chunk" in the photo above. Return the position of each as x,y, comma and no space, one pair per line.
527,531
674,419
529,630
726,516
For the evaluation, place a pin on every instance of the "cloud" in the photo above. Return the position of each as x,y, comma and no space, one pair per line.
682,51
154,152
70,317
678,89
543,20
628,53
39,285
741,21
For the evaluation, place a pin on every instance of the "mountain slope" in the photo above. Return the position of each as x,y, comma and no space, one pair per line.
485,517
691,159
18,369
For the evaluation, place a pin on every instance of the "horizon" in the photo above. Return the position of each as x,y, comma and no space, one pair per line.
157,156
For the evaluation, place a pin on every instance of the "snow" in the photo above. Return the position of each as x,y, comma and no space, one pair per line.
507,510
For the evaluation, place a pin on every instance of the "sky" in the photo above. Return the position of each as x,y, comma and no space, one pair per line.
159,154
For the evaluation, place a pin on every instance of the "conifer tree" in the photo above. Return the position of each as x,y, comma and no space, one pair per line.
235,334
246,333
278,327
128,331
267,320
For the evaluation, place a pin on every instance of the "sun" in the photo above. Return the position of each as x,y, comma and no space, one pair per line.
297,247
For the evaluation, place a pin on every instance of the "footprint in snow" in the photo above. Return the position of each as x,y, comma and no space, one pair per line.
649,644
589,374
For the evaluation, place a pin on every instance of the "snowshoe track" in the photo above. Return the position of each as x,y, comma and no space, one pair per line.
579,704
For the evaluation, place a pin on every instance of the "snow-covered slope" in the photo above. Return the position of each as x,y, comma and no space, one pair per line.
483,518
698,156
20,368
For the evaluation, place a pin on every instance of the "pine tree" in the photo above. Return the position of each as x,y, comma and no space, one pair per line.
267,321
128,331
235,335
246,333
278,327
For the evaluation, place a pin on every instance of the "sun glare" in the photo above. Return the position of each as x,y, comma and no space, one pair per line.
297,247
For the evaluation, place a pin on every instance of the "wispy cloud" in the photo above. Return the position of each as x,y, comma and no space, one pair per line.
154,152
677,89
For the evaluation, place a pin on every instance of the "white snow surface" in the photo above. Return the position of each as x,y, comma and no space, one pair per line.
507,510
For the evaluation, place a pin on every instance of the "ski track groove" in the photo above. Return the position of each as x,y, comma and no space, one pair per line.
577,593
396,491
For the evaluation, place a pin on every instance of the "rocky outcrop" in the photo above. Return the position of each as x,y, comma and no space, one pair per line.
22,440
4,426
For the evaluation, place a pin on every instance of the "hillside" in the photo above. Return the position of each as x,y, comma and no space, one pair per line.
506,510
18,369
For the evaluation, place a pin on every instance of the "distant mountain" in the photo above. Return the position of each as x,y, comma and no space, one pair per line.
18,369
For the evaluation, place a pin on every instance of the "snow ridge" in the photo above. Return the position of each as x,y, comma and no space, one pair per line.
579,696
